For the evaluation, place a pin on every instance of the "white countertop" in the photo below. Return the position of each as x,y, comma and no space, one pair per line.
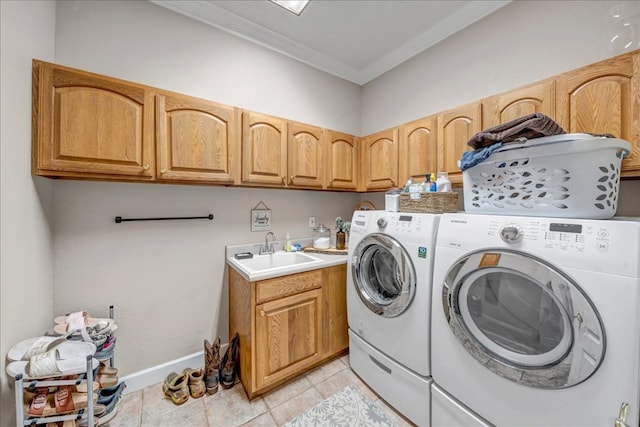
322,261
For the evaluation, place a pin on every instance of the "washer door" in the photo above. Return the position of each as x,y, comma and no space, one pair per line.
383,275
523,319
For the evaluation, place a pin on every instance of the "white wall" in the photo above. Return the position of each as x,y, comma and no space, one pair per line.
26,282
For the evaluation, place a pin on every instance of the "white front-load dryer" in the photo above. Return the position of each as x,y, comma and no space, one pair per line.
389,280
536,321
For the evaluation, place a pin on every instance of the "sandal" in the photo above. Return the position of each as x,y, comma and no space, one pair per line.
196,382
176,388
64,401
39,402
25,350
80,320
107,370
49,364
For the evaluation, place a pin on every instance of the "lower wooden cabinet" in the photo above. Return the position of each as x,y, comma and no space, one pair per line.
287,325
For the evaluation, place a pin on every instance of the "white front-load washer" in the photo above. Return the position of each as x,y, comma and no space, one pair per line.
389,277
536,321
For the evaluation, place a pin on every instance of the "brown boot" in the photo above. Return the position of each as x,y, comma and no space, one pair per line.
211,365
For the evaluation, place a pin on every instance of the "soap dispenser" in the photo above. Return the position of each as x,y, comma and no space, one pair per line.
287,246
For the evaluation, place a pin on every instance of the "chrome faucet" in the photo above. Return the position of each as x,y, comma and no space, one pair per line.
268,247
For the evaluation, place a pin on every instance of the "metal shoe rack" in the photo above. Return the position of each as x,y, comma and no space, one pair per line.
22,384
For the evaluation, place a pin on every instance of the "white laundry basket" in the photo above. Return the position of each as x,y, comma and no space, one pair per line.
567,176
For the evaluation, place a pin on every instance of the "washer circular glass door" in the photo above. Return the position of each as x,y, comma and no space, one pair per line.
383,275
523,319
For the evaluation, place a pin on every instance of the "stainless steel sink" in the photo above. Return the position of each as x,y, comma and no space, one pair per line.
268,264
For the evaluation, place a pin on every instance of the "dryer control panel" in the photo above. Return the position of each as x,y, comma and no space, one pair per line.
604,245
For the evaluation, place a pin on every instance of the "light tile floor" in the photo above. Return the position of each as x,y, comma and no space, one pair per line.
231,408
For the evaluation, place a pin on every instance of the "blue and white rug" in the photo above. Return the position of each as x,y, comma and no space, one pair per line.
347,408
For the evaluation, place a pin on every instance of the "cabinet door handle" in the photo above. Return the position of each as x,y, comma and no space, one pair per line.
163,171
145,166
284,180
261,313
291,180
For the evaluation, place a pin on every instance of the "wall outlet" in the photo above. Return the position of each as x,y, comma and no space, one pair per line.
312,221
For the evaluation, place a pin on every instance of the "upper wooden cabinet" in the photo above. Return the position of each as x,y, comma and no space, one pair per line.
455,128
90,126
604,98
379,160
342,161
306,149
277,152
417,150
264,149
536,98
197,140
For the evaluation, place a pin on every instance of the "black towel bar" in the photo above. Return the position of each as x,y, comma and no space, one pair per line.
119,219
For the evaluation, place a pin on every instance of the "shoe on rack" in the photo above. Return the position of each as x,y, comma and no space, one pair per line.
229,367
211,365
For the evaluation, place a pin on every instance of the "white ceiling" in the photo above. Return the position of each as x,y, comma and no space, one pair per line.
356,40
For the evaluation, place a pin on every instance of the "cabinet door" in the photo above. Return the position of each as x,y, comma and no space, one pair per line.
604,98
455,128
287,336
306,155
380,160
342,161
417,150
536,98
197,140
264,149
87,125
335,335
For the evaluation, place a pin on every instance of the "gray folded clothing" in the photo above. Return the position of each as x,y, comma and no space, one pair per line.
530,126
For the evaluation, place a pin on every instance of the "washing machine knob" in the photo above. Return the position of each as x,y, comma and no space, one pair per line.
511,233
382,223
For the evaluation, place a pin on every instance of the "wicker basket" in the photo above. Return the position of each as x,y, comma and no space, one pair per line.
430,203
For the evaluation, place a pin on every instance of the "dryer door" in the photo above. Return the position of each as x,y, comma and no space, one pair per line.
523,318
383,275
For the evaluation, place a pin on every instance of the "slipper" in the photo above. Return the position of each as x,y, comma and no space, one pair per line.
78,319
107,381
65,402
61,402
26,349
49,364
176,388
106,395
107,370
38,402
94,327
